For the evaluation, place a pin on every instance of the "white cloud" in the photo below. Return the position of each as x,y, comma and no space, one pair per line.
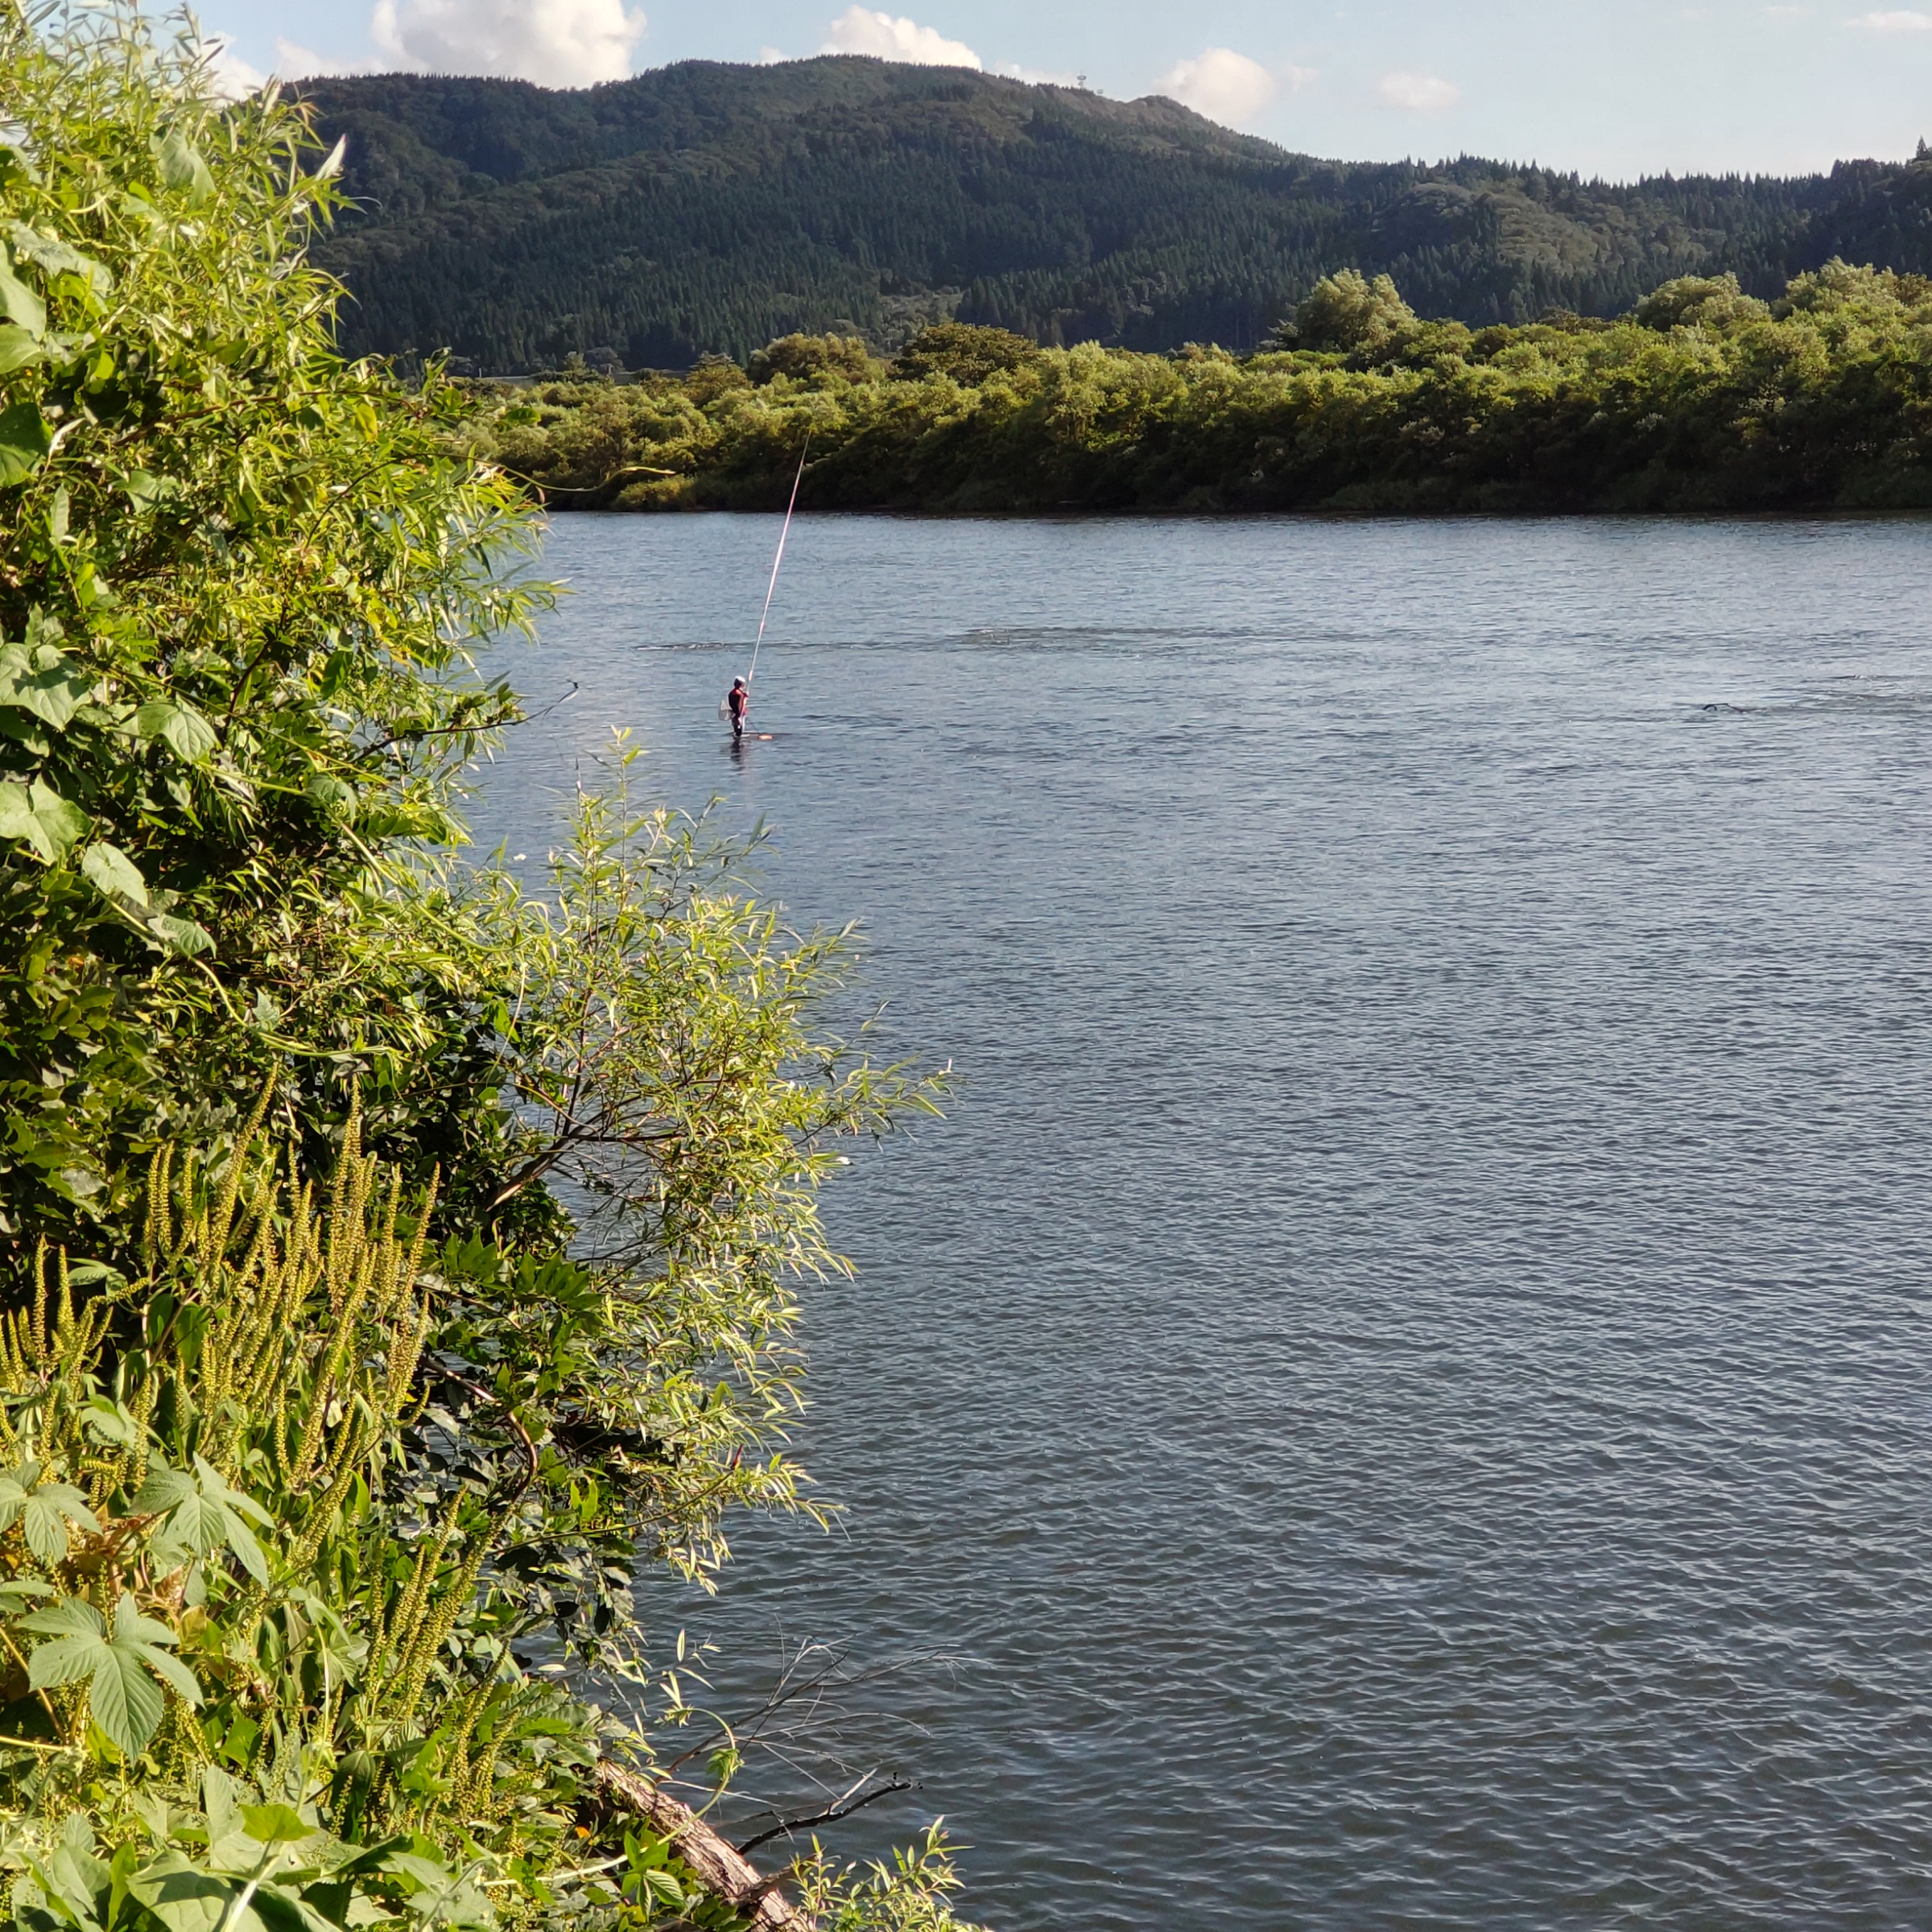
1900,20
233,78
1224,85
555,43
295,62
1419,93
861,30
770,56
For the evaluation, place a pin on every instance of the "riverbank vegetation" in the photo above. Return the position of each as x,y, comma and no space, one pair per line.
396,1262
1701,398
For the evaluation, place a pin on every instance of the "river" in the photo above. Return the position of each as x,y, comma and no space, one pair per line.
1398,1396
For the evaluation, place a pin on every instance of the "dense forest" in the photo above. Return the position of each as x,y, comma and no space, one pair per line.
1702,398
708,208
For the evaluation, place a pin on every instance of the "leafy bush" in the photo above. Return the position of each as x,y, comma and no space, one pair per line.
237,578
330,1442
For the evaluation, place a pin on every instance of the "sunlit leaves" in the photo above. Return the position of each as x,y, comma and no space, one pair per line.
113,873
183,169
181,727
120,1667
211,506
43,682
202,1515
19,304
38,817
45,1510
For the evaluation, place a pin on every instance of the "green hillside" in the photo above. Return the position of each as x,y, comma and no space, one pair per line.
708,208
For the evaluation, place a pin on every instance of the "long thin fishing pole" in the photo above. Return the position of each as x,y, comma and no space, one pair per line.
777,560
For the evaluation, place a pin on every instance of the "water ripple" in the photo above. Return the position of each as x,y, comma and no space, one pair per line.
1403,1380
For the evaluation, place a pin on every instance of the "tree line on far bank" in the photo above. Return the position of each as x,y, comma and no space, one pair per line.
1701,398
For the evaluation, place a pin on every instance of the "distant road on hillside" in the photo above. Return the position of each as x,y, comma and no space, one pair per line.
708,208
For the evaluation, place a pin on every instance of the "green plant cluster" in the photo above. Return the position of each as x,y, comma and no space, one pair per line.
705,208
395,1260
1702,398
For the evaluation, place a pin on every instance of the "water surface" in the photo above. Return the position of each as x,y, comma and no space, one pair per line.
1403,1379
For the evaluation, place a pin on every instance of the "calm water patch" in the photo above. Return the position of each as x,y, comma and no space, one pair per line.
1403,1380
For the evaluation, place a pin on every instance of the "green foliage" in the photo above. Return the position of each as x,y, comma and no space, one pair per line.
1704,399
335,1457
706,207
967,353
1712,302
1346,311
812,359
236,582
912,1894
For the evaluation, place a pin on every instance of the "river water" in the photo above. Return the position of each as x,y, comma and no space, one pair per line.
1401,1385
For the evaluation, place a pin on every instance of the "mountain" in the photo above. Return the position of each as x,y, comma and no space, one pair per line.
710,207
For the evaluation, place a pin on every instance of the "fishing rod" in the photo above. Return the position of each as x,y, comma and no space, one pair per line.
778,559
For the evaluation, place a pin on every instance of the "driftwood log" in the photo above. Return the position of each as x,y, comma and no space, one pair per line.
722,1866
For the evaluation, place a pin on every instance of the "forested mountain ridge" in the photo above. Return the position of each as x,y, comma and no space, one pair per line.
710,207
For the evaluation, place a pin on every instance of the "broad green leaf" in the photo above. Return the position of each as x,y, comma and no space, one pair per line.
79,1875
276,1825
45,252
114,873
43,681
184,170
108,1422
184,1898
146,491
18,348
442,1897
204,1515
19,302
123,1699
184,935
16,816
186,732
337,799
43,1510
25,439
61,821
40,816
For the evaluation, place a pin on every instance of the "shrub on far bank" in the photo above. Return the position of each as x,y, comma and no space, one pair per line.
1703,398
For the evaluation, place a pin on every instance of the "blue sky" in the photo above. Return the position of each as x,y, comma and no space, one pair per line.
1615,89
